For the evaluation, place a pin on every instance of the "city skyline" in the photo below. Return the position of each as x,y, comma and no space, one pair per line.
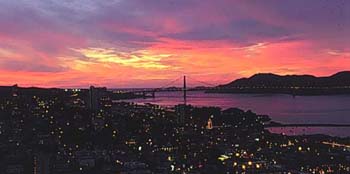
136,43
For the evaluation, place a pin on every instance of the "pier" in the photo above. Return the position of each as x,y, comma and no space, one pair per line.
306,125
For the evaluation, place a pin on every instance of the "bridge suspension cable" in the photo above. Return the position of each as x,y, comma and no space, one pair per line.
170,83
202,82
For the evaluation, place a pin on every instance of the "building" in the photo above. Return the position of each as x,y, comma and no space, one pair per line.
95,94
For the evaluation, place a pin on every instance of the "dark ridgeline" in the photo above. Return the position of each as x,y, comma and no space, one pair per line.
338,83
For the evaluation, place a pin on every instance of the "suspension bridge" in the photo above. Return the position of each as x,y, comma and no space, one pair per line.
171,87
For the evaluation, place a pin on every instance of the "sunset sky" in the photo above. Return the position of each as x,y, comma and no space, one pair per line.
147,43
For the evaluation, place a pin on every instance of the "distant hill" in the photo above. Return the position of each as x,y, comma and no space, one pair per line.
338,83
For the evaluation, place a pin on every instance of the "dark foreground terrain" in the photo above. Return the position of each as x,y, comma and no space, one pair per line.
82,131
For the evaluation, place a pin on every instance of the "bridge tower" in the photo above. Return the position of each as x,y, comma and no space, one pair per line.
184,91
182,116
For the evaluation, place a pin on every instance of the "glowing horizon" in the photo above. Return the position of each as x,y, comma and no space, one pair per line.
136,43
